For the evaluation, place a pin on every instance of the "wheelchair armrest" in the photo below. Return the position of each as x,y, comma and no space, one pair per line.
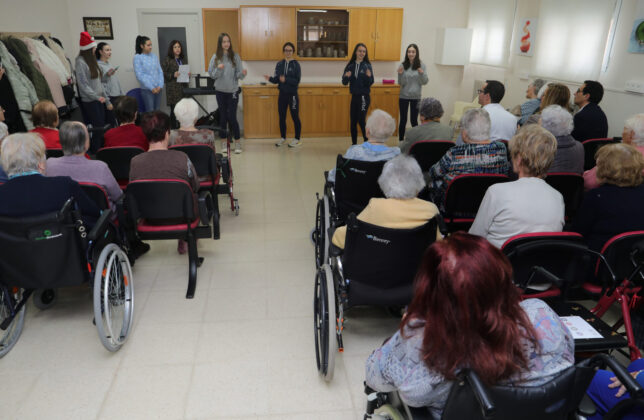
101,225
480,392
205,207
586,407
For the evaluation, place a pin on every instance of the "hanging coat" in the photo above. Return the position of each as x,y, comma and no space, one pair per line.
19,50
60,53
53,81
51,60
23,89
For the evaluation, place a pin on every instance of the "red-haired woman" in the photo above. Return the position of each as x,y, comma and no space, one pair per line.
467,313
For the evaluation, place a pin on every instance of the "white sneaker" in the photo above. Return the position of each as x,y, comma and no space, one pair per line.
238,148
280,143
224,146
295,143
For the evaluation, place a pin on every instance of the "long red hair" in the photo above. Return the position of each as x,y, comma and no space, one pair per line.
464,292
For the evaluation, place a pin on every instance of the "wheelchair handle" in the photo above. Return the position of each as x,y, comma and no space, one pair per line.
481,394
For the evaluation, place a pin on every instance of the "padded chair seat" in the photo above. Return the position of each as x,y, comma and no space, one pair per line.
145,227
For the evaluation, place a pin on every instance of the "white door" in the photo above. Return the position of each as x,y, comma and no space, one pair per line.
150,20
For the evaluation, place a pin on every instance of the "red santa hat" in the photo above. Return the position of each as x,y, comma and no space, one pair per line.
86,41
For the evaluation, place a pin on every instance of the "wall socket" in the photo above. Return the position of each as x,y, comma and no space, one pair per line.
634,86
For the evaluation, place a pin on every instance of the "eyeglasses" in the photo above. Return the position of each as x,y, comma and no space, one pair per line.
480,91
288,50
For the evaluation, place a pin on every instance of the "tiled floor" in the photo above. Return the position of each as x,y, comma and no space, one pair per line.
241,349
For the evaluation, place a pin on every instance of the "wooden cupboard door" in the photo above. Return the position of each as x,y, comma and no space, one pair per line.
260,116
281,30
362,28
336,116
255,33
311,114
388,34
387,100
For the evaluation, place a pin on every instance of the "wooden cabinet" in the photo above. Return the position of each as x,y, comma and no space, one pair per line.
324,109
379,29
264,30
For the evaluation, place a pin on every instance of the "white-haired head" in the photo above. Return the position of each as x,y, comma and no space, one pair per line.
186,111
401,178
476,124
22,152
634,127
380,125
557,120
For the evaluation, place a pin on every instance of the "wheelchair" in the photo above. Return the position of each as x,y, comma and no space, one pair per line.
377,267
42,253
356,182
561,398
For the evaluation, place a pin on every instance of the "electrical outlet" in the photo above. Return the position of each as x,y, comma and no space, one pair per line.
634,86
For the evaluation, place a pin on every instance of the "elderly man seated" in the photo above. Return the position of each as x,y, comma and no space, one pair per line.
632,134
529,107
401,181
187,111
570,153
476,156
380,126
74,139
430,127
28,192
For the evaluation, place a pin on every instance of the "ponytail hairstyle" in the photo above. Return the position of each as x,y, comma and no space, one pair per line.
355,50
90,59
219,55
140,40
415,65
99,48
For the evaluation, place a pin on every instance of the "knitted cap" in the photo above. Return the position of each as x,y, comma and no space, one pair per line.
86,41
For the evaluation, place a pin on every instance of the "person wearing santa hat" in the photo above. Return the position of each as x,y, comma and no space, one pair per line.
147,69
94,101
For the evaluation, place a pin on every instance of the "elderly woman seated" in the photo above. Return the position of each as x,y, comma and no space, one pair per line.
187,111
75,141
570,152
533,95
616,205
45,118
632,134
554,94
528,204
430,128
466,312
380,126
127,133
401,181
28,192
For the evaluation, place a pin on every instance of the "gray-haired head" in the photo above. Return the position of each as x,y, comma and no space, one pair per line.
430,108
636,124
538,84
380,125
401,178
557,120
73,138
186,111
476,122
22,152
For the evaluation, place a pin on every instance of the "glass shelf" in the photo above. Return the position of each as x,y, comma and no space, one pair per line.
322,33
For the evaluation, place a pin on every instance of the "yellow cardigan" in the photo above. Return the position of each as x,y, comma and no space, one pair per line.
392,213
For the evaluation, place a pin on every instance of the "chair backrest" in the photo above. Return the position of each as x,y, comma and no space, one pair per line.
356,182
562,254
571,187
97,194
428,152
54,153
45,251
202,157
590,148
465,193
136,94
554,400
623,252
380,263
118,159
160,199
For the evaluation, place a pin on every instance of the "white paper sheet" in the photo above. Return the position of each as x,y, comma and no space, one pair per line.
579,328
184,70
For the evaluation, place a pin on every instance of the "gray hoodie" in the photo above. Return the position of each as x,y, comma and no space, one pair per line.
411,82
226,78
90,89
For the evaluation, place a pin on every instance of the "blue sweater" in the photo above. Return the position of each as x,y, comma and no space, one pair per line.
148,71
360,85
292,73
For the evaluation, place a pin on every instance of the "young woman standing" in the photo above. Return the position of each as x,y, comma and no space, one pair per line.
148,72
111,84
358,74
287,76
412,75
173,89
226,69
94,101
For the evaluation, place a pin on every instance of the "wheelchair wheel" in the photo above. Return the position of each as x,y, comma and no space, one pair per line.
44,298
9,337
388,412
113,297
322,223
324,322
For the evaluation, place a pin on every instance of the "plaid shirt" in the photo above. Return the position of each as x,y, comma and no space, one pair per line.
468,158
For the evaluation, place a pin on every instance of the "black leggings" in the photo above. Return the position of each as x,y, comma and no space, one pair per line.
292,102
359,108
403,104
227,104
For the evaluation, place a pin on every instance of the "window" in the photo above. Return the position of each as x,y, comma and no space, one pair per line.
492,22
571,38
